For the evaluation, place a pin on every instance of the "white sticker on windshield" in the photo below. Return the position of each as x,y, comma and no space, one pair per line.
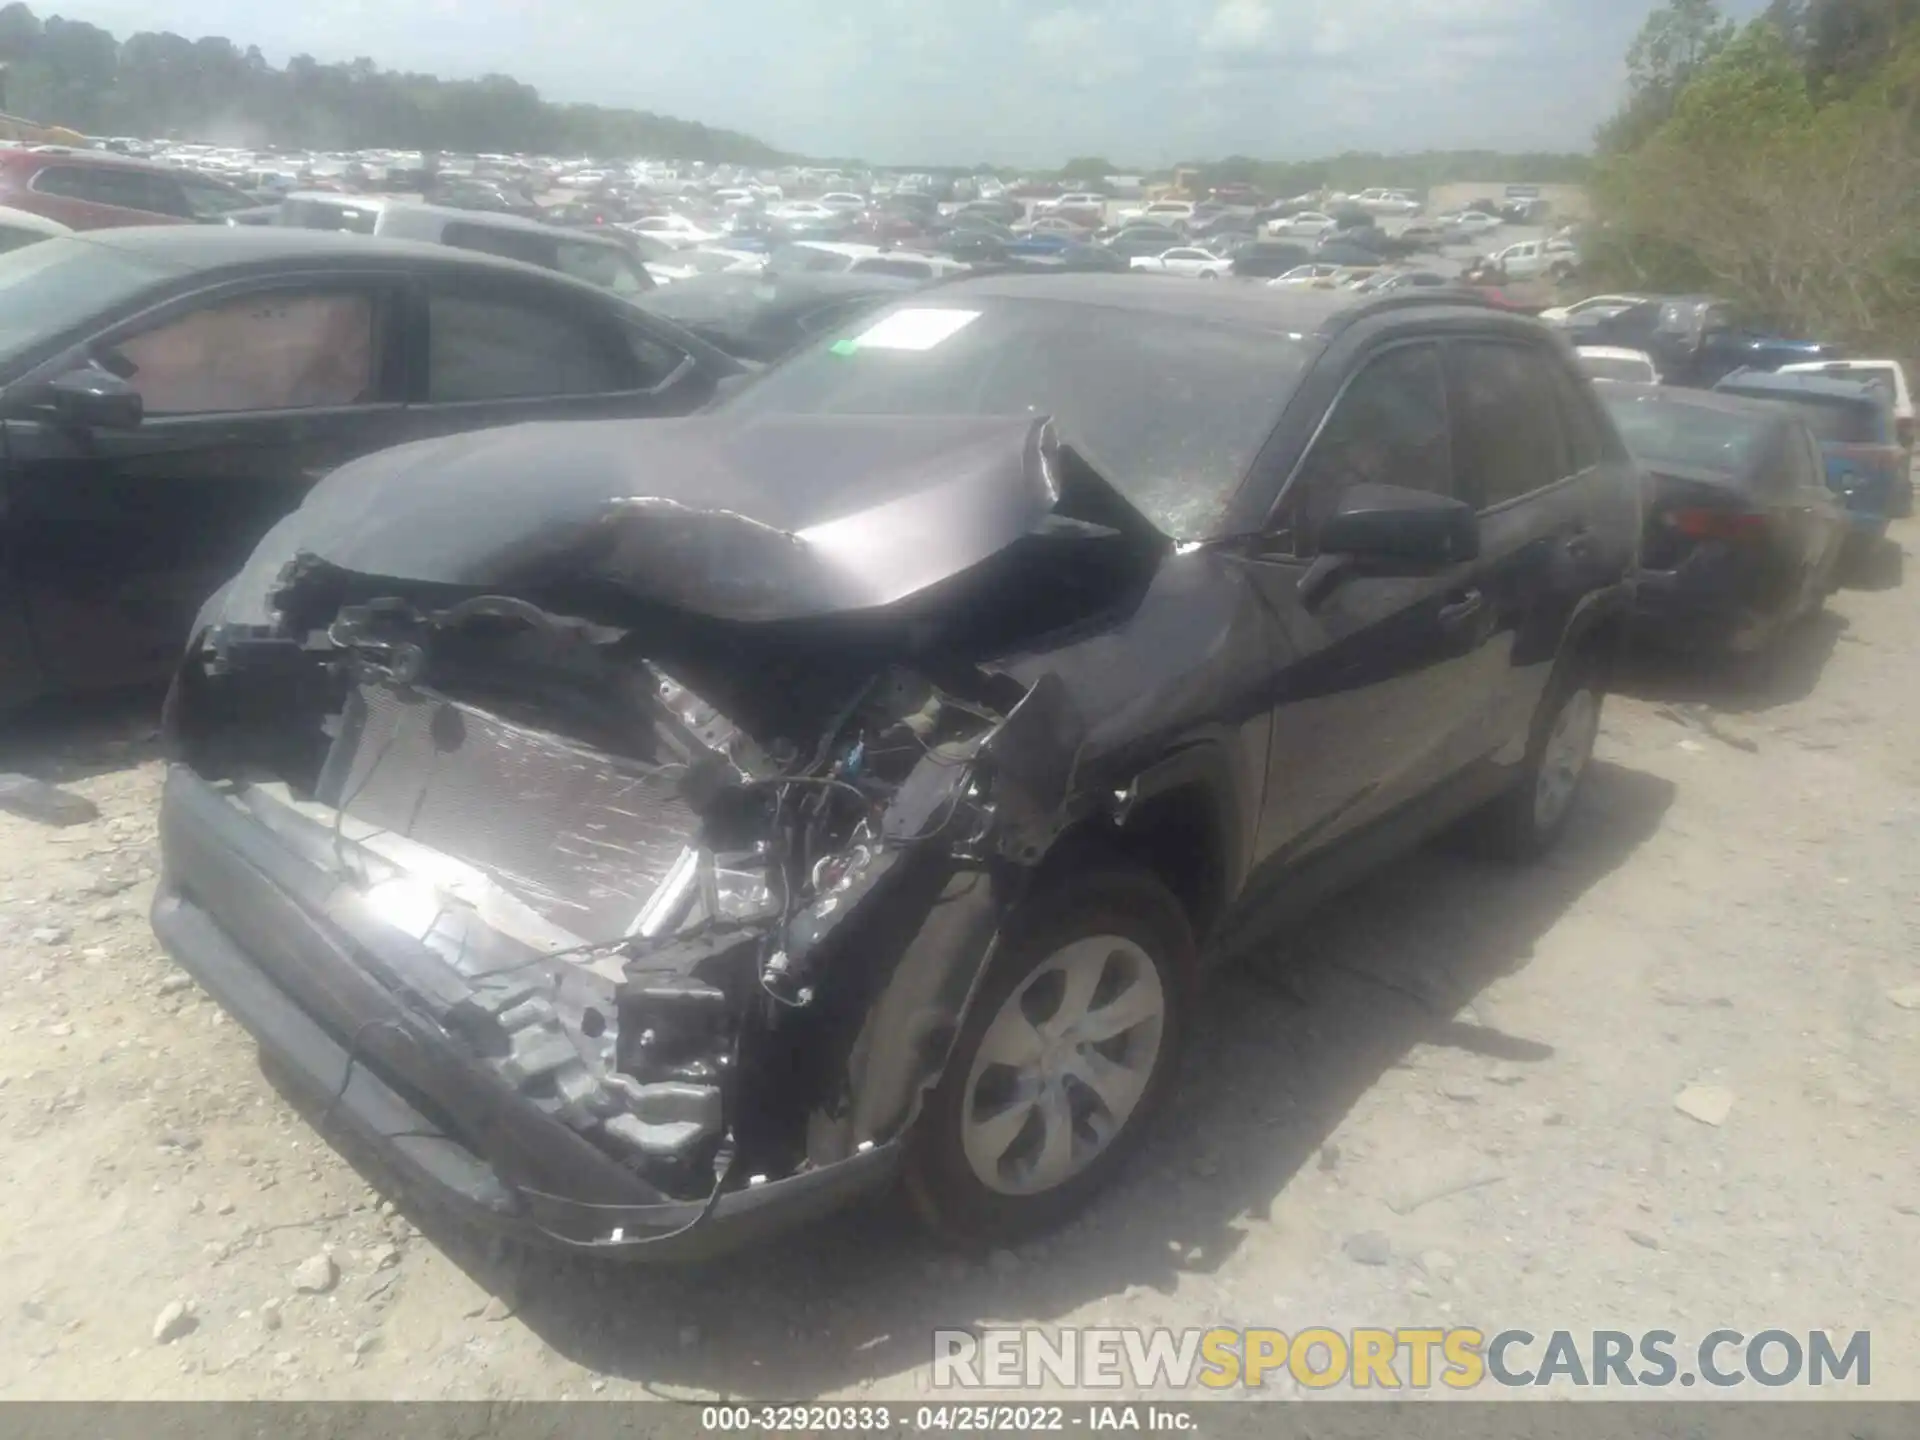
914,329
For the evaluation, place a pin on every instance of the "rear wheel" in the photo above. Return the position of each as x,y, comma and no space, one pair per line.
1532,815
1067,1051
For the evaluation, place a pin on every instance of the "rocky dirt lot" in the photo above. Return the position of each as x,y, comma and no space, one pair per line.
1452,1098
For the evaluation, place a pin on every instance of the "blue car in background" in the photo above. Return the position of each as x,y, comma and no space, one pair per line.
1853,421
1696,339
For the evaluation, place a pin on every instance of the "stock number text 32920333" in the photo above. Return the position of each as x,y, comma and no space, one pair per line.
982,1419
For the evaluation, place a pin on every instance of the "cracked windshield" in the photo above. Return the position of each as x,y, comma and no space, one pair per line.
960,717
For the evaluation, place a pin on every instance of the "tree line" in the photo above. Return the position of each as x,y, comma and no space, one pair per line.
1776,163
161,85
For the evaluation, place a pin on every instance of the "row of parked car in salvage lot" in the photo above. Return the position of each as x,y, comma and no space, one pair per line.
660,761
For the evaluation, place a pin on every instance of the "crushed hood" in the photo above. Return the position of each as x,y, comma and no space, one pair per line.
761,519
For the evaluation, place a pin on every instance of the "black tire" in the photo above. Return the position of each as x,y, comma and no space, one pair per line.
1512,827
1120,900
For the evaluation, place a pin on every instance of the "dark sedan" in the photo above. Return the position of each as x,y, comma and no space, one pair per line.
1742,535
1270,259
167,394
1143,240
765,317
644,834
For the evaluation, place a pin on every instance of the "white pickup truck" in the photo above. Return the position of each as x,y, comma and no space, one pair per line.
1531,259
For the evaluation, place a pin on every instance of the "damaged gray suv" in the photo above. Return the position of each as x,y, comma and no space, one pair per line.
642,834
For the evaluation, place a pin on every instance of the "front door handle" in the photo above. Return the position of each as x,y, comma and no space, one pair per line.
1457,612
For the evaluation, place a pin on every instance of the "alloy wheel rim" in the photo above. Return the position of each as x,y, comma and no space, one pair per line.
1063,1065
1564,758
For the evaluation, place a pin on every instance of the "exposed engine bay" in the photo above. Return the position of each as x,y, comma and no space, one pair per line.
697,864
651,894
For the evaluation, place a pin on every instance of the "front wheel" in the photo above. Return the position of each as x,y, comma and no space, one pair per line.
1068,1049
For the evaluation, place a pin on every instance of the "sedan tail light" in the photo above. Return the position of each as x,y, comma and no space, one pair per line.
1903,430
1703,524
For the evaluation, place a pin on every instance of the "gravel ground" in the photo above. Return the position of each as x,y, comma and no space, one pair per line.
1731,911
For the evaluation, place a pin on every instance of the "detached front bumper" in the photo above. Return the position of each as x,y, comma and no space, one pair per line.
247,917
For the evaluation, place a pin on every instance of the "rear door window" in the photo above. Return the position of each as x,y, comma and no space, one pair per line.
523,245
1581,423
1389,427
1507,440
607,266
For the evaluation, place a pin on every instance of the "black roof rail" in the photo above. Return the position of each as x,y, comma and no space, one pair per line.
1423,297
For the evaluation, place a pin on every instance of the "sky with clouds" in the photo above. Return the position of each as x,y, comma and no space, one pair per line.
1011,81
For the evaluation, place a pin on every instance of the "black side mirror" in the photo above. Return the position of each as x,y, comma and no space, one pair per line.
1411,529
1386,530
91,398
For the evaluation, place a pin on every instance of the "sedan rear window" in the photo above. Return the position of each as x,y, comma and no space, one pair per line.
1170,408
1662,432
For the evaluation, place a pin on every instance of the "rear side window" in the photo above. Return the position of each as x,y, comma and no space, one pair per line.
1389,427
521,245
282,351
486,347
1506,421
207,201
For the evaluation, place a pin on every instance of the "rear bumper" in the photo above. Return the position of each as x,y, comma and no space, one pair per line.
1701,605
249,919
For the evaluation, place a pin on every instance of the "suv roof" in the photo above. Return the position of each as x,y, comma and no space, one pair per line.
1828,386
40,157
187,248
1288,311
